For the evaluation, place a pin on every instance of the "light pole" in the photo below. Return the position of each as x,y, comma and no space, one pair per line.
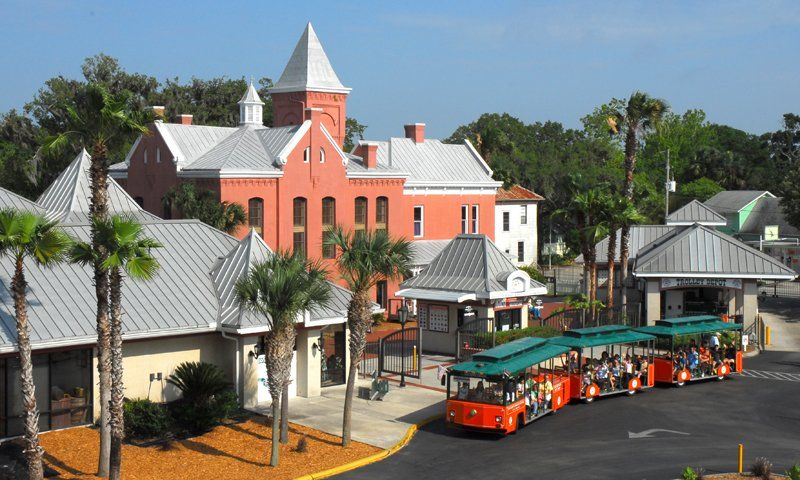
669,186
402,315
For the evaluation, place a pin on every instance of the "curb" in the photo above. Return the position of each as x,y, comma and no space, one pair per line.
372,458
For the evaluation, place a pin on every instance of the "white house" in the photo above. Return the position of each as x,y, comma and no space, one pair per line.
516,224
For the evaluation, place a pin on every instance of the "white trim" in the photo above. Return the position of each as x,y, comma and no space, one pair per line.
478,156
525,293
755,276
436,295
118,175
376,174
689,224
172,145
230,174
338,150
283,155
465,218
475,218
133,149
325,321
450,188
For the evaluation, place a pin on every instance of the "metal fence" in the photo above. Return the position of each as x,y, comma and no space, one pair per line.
474,336
370,359
396,352
779,289
581,318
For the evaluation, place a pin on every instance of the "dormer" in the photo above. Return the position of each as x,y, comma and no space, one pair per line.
251,108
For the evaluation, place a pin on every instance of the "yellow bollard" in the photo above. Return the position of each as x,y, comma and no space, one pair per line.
414,361
741,457
768,335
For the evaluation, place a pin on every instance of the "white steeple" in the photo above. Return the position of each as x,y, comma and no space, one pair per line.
250,107
309,68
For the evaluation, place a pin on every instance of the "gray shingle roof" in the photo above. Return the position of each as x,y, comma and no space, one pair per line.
434,161
469,263
424,251
67,198
767,212
706,251
9,199
695,212
247,148
309,68
731,201
641,236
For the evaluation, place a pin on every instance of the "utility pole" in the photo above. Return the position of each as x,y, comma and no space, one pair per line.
667,188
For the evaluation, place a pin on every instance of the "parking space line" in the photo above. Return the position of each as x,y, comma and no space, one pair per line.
788,377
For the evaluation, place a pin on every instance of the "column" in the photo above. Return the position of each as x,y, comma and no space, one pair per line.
309,365
653,301
750,302
248,372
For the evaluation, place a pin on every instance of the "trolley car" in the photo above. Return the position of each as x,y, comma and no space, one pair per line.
695,348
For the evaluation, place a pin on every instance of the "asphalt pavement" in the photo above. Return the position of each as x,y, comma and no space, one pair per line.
651,435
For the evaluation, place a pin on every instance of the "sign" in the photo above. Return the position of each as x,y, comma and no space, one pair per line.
745,340
668,283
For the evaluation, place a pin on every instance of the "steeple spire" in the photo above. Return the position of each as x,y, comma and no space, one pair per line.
250,107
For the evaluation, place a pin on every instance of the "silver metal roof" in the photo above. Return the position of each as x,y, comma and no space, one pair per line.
188,142
251,95
731,201
309,68
9,199
424,251
641,236
67,199
768,211
248,148
695,212
703,251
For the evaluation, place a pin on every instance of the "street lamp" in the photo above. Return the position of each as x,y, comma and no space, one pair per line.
402,315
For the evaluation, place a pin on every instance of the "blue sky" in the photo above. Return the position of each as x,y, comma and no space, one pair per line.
443,63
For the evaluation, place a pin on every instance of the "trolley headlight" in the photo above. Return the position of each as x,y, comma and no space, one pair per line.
452,413
498,419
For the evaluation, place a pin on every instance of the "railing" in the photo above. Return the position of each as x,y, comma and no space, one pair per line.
474,336
395,352
779,289
581,318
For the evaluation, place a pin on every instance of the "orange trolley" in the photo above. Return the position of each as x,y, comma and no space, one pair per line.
503,388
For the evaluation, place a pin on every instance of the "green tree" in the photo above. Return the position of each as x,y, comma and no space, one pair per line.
618,212
129,252
29,237
353,132
701,189
785,150
203,205
280,289
98,120
640,114
363,259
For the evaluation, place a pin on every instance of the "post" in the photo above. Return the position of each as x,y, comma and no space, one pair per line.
741,458
414,359
667,186
402,354
768,335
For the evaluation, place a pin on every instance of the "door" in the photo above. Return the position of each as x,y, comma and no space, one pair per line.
332,364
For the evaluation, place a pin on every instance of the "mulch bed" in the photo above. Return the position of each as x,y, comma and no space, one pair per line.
739,476
238,450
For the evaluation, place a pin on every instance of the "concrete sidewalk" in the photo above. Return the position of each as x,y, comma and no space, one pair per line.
379,423
782,316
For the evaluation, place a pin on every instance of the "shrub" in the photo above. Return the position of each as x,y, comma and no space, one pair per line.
534,273
198,381
207,397
794,472
378,318
543,331
689,474
761,468
197,417
145,419
302,444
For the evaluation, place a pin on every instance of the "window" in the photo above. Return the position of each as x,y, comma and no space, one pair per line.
328,221
419,221
307,155
381,213
255,215
299,225
158,155
361,214
380,293
506,221
145,155
464,219
523,218
248,114
321,155
139,201
520,251
167,209
475,218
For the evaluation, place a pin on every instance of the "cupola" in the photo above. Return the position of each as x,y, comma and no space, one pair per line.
250,107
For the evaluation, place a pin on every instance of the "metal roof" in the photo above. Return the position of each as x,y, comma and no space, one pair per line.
688,326
731,201
309,68
598,336
251,95
424,251
510,358
187,143
9,199
695,212
67,198
517,193
432,161
702,251
641,236
248,148
768,211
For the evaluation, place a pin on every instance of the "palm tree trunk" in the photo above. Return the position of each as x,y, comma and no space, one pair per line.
358,319
99,210
610,260
279,351
116,418
33,451
630,166
285,414
624,243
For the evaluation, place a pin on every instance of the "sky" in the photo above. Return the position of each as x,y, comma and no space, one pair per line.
442,63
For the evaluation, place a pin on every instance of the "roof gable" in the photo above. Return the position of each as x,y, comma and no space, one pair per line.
517,193
309,68
731,201
707,252
695,212
187,143
768,211
9,199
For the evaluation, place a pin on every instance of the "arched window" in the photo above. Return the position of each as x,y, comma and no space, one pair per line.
361,214
328,222
321,155
255,214
307,155
299,225
381,213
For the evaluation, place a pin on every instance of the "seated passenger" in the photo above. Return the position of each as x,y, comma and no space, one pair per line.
602,376
692,361
705,361
627,370
479,391
463,390
614,374
642,373
535,398
548,392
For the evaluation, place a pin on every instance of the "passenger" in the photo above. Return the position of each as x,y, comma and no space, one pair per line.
627,370
573,362
602,376
714,340
730,356
706,367
587,376
716,360
614,374
479,391
548,392
535,398
643,369
463,390
540,397
693,361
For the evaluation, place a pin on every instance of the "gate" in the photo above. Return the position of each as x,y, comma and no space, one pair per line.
473,337
400,352
370,359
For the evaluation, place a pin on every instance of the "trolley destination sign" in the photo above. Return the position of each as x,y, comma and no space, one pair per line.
669,283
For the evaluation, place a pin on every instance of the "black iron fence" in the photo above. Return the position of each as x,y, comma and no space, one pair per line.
396,352
581,318
779,289
474,336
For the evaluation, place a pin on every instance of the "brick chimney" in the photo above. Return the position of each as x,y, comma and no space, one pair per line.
185,119
369,152
416,132
158,112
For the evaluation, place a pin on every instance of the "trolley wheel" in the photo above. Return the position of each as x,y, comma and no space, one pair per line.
721,372
633,385
588,400
680,383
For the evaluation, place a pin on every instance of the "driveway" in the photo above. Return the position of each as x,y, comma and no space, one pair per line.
698,425
782,315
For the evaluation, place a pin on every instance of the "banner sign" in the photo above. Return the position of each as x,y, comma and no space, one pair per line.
668,283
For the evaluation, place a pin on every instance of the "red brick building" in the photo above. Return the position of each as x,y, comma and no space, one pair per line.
295,181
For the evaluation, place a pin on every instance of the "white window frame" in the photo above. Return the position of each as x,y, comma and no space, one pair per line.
421,221
464,219
506,224
476,218
523,218
307,155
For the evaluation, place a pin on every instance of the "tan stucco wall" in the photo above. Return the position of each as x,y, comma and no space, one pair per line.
750,302
652,298
141,358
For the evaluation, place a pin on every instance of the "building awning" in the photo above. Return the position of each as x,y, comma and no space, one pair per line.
438,295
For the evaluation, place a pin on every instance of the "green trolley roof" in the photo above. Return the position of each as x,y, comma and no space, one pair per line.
670,327
512,357
597,336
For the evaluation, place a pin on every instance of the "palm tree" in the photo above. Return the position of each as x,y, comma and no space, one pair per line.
95,121
25,235
641,114
203,205
129,251
363,260
281,289
619,212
